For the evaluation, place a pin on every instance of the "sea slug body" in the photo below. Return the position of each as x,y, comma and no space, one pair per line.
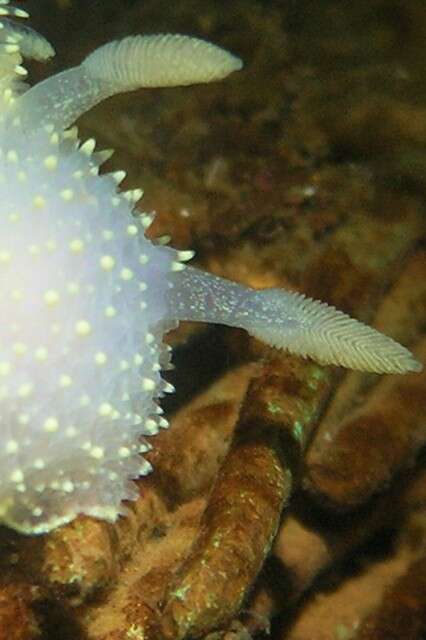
86,298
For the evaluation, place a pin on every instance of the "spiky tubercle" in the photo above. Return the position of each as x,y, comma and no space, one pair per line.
17,42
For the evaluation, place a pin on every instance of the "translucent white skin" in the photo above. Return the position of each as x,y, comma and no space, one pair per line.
81,288
86,298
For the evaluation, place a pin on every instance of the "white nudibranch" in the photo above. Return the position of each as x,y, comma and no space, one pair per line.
86,298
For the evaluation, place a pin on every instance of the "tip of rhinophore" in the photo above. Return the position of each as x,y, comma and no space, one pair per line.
414,366
404,362
237,63
225,64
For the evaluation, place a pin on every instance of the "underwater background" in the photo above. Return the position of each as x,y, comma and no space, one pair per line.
287,498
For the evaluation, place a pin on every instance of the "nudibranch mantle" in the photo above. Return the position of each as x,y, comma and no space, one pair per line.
86,298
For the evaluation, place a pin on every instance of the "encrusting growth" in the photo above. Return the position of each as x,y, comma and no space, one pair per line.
86,297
